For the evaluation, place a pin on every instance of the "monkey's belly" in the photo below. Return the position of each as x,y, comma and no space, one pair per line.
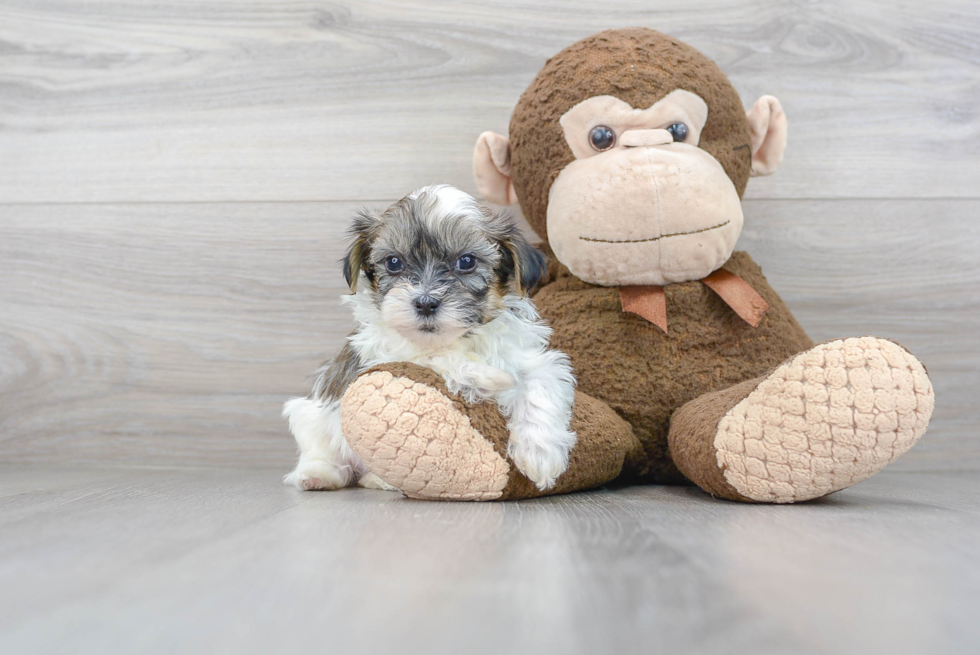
644,374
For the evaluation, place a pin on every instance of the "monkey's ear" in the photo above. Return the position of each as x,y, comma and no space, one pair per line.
767,127
491,169
361,232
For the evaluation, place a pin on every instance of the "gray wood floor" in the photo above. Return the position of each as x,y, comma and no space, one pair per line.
129,560
175,178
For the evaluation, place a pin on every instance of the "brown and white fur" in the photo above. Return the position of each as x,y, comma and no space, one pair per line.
440,281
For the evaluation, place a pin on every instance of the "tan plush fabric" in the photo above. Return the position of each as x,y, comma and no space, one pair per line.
402,422
414,437
644,216
768,129
639,67
679,106
827,419
491,169
643,138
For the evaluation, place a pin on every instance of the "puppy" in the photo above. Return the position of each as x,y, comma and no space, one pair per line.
442,282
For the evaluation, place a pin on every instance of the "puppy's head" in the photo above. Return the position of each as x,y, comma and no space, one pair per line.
439,264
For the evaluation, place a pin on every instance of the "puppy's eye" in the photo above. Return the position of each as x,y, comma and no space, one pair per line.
602,138
394,264
466,263
678,131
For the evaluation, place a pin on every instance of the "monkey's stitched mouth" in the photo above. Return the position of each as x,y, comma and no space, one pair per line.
662,236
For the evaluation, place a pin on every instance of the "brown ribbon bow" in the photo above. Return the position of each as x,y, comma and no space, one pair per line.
650,302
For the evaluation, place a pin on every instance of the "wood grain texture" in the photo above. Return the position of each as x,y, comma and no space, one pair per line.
276,100
167,334
208,561
171,334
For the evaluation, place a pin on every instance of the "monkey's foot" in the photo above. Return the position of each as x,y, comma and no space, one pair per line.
415,437
822,421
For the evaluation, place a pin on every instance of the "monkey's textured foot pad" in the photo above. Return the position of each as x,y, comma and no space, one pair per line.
417,439
827,419
822,421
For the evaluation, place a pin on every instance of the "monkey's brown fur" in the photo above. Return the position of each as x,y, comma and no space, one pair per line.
644,374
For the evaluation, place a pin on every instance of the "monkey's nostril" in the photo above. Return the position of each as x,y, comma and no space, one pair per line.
426,305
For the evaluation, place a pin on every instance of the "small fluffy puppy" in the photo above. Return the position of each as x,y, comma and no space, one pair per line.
442,282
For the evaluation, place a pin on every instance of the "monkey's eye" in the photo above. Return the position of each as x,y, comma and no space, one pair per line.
602,138
394,264
678,131
466,263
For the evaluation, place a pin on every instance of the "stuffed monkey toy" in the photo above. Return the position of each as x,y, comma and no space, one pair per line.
629,154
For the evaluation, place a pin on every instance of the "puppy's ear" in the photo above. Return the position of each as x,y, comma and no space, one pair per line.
361,232
520,258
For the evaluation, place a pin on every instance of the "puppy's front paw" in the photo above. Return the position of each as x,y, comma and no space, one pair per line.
317,474
541,455
491,381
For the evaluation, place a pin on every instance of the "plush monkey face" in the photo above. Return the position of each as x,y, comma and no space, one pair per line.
641,203
629,154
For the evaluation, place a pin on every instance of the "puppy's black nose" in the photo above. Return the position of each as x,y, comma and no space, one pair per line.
426,305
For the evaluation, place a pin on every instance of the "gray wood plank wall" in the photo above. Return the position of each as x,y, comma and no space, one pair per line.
175,178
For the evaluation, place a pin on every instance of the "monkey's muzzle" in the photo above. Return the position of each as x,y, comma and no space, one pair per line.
644,214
